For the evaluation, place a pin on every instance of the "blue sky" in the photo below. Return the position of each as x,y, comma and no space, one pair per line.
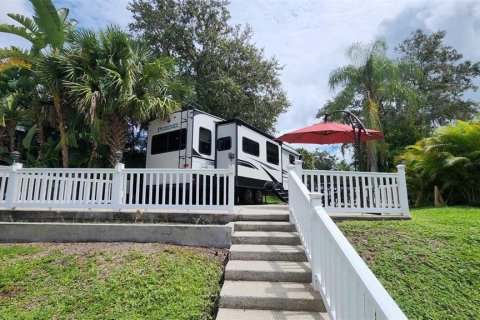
309,37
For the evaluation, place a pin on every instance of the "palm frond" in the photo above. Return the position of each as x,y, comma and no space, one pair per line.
48,22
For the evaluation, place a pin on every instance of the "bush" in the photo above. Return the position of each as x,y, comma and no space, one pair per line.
450,159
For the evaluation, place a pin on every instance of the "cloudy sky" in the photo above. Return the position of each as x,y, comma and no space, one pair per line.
309,37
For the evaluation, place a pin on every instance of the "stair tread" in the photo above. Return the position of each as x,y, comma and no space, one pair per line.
268,266
274,223
267,289
248,314
274,234
283,248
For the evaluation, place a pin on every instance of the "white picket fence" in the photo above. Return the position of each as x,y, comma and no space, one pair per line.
348,287
359,192
117,189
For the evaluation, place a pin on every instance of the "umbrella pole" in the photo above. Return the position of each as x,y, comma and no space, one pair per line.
359,149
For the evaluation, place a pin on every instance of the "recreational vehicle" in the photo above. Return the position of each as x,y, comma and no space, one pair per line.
195,139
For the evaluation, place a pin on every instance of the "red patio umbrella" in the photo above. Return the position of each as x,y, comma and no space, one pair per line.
330,133
334,132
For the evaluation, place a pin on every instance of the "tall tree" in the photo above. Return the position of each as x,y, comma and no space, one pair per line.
114,81
446,77
229,74
367,85
48,29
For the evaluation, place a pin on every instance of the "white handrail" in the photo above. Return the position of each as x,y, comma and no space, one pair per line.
117,188
348,287
359,192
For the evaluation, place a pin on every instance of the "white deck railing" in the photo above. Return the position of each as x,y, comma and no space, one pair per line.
348,287
359,192
116,189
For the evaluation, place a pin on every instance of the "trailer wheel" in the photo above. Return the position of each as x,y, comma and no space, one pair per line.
247,196
258,196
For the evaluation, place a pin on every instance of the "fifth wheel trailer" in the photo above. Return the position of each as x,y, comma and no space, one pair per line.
198,140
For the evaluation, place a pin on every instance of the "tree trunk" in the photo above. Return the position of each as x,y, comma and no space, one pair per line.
40,139
93,154
117,137
57,101
372,158
10,128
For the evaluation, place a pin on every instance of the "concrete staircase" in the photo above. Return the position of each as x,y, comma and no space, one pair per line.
268,276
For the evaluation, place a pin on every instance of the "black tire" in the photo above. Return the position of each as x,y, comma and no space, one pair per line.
247,196
258,196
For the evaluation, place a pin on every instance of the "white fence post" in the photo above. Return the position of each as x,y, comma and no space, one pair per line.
402,190
117,186
290,167
316,202
231,189
299,169
11,194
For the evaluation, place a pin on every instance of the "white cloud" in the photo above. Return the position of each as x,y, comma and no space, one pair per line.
98,13
13,6
309,37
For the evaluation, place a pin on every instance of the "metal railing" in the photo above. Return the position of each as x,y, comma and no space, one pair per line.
348,287
117,189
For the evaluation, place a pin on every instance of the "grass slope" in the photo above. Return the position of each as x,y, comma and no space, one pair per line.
108,281
430,265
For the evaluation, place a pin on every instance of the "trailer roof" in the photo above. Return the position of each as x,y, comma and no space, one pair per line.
243,123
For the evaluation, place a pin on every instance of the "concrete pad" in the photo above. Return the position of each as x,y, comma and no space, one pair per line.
267,252
285,296
264,226
286,271
242,314
266,237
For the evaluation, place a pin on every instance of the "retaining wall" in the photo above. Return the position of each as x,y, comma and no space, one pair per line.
218,236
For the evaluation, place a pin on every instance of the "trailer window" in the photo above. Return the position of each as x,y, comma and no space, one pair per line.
169,141
205,141
224,143
272,153
250,147
291,158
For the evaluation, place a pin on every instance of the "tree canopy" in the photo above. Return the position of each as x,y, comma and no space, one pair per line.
446,78
230,76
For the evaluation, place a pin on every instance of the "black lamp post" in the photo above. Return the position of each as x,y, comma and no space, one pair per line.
357,127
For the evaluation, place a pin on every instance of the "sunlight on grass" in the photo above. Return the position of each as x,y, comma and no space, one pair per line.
38,282
430,265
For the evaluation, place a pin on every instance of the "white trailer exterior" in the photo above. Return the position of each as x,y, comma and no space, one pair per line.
197,140
186,139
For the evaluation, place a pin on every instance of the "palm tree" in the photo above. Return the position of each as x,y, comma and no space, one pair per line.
375,79
450,159
47,31
114,80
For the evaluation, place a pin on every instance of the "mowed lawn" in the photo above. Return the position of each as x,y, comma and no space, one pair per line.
430,264
108,281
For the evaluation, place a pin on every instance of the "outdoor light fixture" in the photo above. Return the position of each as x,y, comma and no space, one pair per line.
118,156
231,156
15,156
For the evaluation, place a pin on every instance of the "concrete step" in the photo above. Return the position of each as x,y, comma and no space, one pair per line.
265,237
264,226
245,314
263,295
286,271
262,215
267,252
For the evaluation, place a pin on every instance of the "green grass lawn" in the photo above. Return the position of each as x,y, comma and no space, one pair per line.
108,281
430,265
